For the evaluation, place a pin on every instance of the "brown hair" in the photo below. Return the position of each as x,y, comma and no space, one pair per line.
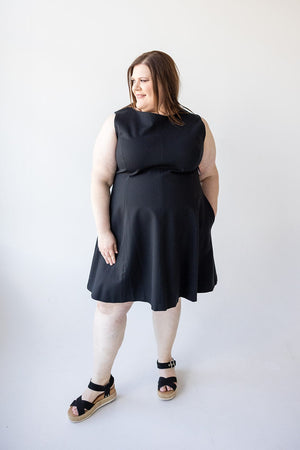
164,71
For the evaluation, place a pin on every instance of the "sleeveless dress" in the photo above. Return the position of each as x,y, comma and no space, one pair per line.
158,214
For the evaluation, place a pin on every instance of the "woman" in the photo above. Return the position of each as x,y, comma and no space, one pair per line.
154,229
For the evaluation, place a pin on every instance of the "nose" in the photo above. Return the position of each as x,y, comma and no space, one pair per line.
137,86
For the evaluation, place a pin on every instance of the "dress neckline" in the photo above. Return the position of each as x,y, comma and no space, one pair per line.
148,112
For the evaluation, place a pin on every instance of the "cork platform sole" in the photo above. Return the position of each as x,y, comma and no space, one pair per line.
85,408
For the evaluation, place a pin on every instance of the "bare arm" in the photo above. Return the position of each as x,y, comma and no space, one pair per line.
103,172
209,176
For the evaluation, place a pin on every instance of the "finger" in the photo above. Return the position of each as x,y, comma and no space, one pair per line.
108,257
112,256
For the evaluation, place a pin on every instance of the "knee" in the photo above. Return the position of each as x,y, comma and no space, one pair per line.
116,310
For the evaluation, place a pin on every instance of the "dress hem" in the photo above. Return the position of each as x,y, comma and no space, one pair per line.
157,307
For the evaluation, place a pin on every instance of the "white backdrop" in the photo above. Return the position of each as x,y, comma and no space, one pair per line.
63,71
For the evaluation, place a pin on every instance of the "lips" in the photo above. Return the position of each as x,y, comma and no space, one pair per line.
140,96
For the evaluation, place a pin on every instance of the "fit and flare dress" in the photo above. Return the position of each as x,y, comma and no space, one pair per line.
158,214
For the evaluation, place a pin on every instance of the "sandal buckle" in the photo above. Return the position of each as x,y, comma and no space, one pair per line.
172,363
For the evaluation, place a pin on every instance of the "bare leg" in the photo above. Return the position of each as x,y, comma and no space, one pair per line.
165,324
108,333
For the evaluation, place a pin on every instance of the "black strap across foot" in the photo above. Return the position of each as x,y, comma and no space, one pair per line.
81,405
170,381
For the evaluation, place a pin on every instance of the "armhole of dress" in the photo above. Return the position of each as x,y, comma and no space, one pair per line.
115,124
204,128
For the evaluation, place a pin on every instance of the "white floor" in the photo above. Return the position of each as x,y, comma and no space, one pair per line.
237,367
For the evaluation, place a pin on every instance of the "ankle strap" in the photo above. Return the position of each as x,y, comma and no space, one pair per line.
99,387
166,365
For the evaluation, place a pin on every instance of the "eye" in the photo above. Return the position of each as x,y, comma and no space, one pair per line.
141,80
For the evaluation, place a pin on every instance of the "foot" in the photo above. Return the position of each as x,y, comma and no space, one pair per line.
90,396
167,373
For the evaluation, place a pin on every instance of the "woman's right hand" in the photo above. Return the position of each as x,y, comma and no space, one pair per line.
107,245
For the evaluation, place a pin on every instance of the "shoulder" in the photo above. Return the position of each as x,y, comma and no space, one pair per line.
204,121
107,129
109,121
209,142
206,124
192,117
123,110
199,123
122,116
208,132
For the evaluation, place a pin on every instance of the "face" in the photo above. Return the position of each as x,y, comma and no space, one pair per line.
142,87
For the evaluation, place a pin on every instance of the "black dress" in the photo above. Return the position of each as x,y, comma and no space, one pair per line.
158,214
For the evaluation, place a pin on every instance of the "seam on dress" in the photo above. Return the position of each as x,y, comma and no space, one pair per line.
125,241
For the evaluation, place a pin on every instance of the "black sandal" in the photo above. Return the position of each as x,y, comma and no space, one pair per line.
170,381
105,397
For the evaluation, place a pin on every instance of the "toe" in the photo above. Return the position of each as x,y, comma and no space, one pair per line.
163,389
74,411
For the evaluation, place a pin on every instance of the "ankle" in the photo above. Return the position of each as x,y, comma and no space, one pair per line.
102,380
164,358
